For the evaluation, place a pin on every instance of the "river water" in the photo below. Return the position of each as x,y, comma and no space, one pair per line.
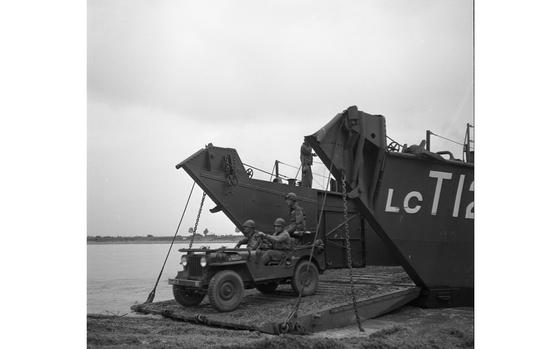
120,275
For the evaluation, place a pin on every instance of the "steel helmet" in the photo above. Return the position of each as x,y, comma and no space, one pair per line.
249,223
279,222
290,196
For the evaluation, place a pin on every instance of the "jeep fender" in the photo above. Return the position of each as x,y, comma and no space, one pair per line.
239,267
320,267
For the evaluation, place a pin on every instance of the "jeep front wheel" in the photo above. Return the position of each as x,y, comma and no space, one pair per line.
225,290
305,279
185,297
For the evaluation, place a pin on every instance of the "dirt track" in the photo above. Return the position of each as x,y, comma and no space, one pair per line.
409,327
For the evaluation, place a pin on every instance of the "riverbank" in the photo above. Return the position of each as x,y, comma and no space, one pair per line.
177,242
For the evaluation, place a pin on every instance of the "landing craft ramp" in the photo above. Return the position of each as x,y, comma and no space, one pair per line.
378,290
420,204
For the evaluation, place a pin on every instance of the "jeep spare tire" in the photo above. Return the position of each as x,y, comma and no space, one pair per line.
185,297
305,279
225,290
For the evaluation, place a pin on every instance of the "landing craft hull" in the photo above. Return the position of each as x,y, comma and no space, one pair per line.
420,205
223,177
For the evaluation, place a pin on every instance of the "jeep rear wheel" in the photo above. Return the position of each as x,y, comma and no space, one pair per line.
225,290
185,297
267,288
305,279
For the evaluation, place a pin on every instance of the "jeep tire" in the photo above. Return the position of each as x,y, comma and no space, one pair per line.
225,290
305,279
185,297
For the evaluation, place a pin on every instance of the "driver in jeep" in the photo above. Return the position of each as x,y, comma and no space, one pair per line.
281,241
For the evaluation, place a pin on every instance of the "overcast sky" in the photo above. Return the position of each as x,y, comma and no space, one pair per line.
167,77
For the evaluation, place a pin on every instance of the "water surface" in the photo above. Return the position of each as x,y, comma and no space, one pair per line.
120,275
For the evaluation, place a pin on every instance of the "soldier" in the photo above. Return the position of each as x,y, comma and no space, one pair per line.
280,240
296,225
251,239
306,158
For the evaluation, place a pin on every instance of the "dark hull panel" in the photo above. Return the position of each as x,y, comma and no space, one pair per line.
419,204
221,174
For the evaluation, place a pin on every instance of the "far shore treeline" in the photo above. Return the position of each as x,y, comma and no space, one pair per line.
162,239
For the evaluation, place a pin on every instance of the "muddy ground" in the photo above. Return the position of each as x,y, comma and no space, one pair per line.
408,327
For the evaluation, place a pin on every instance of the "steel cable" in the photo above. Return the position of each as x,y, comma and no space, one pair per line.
450,140
152,294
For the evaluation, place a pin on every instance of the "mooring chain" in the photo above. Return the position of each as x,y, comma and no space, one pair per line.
197,219
349,252
231,177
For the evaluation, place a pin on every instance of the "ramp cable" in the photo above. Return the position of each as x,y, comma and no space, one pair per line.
285,326
152,294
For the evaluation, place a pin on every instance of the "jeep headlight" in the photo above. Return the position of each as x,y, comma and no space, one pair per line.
203,261
184,261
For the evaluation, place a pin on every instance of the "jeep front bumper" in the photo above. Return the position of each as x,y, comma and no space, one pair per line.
187,283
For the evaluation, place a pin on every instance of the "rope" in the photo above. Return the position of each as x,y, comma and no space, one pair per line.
271,172
152,294
197,218
349,252
392,140
435,134
292,166
297,173
263,171
293,313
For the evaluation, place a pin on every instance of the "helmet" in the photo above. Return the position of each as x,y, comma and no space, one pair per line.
249,223
290,196
279,222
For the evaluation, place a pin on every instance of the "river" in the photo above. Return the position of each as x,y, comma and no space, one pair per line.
119,275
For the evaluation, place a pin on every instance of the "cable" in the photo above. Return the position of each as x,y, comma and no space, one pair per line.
152,294
292,166
392,140
263,171
435,134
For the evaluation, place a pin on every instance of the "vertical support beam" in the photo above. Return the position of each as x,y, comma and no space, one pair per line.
428,140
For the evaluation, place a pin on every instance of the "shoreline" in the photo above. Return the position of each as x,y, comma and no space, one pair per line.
152,242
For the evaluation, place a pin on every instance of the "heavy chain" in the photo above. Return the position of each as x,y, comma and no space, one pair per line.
349,252
230,164
197,219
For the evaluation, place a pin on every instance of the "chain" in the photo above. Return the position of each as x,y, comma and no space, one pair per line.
231,177
197,219
349,252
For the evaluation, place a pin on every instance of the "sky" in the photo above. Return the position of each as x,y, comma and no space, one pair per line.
165,78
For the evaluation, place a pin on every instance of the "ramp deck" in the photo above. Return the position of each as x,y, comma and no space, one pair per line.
378,290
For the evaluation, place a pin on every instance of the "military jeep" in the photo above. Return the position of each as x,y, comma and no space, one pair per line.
223,274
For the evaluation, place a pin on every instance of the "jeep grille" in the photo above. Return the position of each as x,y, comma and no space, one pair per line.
193,265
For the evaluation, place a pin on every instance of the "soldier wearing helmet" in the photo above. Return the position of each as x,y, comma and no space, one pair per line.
251,239
306,158
280,240
297,216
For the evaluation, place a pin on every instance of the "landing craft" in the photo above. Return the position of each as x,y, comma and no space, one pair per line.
407,206
420,204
